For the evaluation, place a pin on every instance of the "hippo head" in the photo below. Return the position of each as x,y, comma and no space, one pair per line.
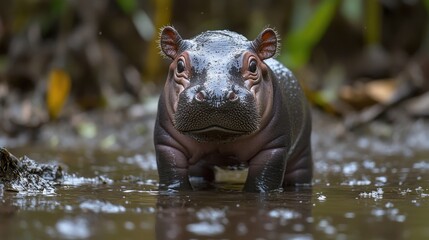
218,86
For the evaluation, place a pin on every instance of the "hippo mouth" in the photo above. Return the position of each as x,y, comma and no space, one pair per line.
215,133
215,129
208,123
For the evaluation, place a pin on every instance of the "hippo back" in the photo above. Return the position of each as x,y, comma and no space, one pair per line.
294,100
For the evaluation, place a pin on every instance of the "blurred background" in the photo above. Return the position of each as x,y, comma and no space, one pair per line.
91,70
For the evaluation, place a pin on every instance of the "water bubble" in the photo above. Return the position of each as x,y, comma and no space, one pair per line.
205,228
325,226
378,212
368,164
382,179
350,168
321,198
129,225
284,214
389,205
421,165
77,228
376,195
98,206
242,229
211,214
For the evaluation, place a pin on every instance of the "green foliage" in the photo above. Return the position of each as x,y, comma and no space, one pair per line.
128,6
426,2
372,22
42,13
425,42
307,32
58,6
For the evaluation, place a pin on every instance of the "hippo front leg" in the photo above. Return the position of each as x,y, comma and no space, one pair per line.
172,168
266,171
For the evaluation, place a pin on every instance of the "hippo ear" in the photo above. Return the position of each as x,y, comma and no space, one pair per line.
169,42
266,44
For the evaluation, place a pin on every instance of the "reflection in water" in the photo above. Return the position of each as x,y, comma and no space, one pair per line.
243,215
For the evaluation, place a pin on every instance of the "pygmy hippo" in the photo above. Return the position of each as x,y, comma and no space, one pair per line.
227,102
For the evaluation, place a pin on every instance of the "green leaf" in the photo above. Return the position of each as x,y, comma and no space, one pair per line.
426,3
128,6
58,6
301,41
372,22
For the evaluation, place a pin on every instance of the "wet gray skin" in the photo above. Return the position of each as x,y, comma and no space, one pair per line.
227,103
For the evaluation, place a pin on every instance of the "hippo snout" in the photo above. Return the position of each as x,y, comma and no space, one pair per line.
223,113
226,96
216,98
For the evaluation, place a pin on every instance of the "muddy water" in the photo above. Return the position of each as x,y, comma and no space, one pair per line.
363,188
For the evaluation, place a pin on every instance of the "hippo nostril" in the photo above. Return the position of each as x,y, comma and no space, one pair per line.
232,96
201,96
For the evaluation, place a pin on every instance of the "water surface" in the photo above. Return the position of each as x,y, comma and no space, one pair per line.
364,188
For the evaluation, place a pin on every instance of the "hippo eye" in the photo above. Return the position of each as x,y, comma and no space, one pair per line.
253,66
180,66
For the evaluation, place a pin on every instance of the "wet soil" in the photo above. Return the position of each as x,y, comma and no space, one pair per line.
373,184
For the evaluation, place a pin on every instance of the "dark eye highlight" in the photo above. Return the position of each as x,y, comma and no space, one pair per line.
180,66
253,66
